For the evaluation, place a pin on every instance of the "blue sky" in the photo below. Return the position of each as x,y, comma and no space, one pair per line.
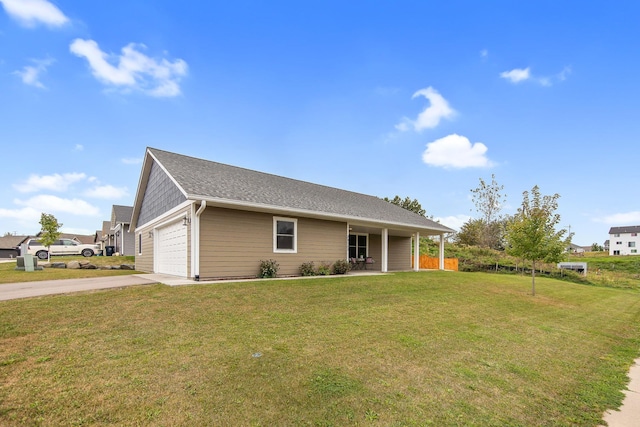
409,98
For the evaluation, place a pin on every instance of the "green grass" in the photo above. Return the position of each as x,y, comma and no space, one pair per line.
410,349
603,270
8,274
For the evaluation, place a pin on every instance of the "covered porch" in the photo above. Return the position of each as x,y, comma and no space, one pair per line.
391,249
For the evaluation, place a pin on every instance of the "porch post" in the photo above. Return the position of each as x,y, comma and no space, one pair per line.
385,250
441,252
416,252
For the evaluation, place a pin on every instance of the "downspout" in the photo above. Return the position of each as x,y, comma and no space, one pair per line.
196,239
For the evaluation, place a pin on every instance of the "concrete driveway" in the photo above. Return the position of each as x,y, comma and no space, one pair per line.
50,287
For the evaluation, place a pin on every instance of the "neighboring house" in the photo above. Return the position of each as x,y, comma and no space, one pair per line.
10,246
200,219
106,236
80,238
575,249
123,239
624,240
606,245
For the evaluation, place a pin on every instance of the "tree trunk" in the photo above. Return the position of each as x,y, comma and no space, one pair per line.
533,278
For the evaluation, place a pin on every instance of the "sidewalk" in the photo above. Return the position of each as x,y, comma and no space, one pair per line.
629,413
51,287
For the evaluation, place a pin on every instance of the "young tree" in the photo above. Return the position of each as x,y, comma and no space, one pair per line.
489,200
531,233
49,231
408,204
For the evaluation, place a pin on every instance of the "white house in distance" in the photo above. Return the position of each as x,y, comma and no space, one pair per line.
624,240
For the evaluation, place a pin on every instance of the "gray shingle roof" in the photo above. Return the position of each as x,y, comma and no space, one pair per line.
121,214
204,179
106,228
625,229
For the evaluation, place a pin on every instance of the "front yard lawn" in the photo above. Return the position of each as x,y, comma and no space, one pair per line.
408,349
8,273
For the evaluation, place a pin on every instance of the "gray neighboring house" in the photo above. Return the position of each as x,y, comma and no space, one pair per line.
10,246
123,239
200,219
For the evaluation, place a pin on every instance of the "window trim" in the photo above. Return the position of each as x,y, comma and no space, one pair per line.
275,235
357,246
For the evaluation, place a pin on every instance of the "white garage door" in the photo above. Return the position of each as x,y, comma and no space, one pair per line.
171,255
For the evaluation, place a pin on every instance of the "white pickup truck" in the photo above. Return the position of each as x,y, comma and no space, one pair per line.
61,247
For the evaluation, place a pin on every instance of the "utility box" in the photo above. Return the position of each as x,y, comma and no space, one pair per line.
27,263
109,250
579,267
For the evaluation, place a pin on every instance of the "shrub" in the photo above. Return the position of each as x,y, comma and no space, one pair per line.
307,269
268,269
324,269
341,266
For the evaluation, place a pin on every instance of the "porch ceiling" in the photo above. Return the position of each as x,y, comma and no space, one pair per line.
374,230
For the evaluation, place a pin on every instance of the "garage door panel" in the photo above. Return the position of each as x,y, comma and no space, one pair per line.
172,250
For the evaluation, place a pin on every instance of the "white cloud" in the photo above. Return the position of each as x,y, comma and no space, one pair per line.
431,116
516,75
625,218
456,151
30,74
78,147
132,160
55,182
32,12
562,75
456,222
133,70
484,53
27,215
107,192
49,203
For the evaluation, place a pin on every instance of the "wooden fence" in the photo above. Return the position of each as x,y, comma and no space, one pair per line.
431,263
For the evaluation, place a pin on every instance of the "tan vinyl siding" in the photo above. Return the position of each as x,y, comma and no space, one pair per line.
144,260
399,253
375,251
233,242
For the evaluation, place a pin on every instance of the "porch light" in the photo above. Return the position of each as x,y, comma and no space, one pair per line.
186,220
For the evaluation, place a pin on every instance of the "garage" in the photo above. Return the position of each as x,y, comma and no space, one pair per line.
172,250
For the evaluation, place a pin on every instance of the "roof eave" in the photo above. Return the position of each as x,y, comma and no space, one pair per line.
241,205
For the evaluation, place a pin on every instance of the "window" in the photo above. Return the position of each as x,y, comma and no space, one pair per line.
634,234
358,245
139,243
285,232
616,235
632,244
618,243
634,251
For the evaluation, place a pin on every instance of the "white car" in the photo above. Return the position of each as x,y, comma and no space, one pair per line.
61,247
